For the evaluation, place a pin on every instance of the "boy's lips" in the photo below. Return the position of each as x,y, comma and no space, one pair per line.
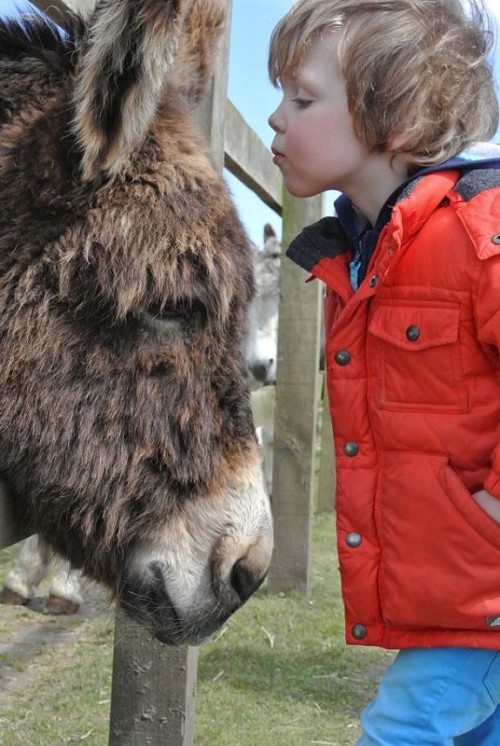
277,156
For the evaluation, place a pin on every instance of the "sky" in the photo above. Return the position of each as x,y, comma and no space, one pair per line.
252,93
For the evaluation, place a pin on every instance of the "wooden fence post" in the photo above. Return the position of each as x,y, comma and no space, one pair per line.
325,498
295,409
153,693
211,114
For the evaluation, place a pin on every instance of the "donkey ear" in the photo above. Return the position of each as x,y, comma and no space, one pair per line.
126,57
203,25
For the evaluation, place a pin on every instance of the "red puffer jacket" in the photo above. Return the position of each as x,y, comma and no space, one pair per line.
413,371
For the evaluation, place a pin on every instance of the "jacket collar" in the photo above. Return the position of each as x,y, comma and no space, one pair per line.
318,244
404,212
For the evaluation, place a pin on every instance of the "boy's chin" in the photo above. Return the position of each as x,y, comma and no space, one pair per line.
300,192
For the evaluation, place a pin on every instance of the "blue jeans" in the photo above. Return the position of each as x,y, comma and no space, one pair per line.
436,697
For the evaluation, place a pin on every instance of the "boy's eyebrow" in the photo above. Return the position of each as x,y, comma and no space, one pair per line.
295,82
288,79
305,80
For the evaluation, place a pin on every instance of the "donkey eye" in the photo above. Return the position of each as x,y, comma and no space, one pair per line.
163,317
167,312
188,313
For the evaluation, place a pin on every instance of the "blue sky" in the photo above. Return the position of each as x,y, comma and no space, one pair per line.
250,90
252,93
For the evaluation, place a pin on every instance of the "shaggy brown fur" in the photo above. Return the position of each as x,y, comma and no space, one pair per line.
124,280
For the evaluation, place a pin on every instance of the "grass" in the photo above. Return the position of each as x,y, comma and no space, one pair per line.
278,673
65,697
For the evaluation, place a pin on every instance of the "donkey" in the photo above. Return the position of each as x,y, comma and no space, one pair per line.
262,334
34,561
126,431
262,337
32,566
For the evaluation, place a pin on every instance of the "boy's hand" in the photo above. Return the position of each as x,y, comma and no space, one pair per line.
489,503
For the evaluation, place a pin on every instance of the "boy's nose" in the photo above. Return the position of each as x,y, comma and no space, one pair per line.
275,121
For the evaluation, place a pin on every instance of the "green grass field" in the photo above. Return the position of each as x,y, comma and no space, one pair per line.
278,673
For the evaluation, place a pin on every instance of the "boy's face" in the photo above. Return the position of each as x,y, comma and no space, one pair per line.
315,146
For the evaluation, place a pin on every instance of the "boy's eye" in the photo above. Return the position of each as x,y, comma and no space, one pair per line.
302,103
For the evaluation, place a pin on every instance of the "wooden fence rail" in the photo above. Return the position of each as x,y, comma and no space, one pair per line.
153,689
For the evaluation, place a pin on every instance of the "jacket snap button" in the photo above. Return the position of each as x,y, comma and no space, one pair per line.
373,281
496,238
413,333
359,631
353,540
351,448
342,357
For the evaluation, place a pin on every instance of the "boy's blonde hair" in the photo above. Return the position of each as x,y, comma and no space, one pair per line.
417,76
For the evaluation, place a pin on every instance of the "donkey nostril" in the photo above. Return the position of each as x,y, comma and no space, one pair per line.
243,581
259,371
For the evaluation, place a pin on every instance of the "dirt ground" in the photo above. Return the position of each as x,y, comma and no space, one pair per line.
27,633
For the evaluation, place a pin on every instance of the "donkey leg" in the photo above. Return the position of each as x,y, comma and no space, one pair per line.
64,592
31,567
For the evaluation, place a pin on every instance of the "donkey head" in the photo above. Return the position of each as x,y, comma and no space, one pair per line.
125,275
262,338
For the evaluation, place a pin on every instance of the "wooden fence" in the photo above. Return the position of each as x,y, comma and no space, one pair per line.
153,689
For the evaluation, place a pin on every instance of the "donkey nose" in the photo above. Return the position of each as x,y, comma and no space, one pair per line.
240,566
261,370
243,580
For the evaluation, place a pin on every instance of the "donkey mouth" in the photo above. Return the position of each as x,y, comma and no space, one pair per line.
153,607
182,633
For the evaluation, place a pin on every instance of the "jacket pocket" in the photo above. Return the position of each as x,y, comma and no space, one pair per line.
483,524
416,357
440,550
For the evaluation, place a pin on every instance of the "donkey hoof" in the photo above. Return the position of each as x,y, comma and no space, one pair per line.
8,596
57,606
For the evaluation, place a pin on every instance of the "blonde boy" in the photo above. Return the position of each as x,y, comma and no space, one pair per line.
386,102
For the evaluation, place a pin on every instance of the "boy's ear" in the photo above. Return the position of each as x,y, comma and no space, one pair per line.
398,143
401,142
